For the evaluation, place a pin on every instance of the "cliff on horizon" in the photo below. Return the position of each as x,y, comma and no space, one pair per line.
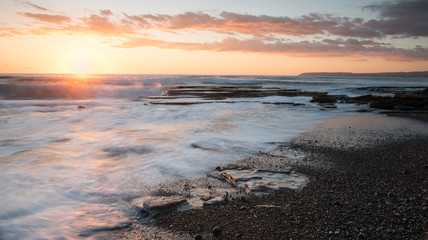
381,74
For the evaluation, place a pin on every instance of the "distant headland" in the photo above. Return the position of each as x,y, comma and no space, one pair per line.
381,74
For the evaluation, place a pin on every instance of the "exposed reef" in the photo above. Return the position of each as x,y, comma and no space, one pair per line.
384,98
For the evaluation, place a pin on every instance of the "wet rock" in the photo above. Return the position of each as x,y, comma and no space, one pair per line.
154,205
189,102
208,197
324,98
263,181
284,103
360,99
221,92
404,102
384,103
217,201
108,228
328,105
217,231
198,237
80,107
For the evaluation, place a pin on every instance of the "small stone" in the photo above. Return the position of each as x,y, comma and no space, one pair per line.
392,195
361,236
217,231
80,107
198,237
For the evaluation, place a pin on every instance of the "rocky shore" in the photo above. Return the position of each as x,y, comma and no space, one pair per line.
409,99
368,179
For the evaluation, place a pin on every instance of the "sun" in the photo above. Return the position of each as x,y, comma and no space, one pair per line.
83,63
82,59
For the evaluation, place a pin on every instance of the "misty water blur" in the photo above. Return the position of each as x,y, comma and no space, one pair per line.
73,150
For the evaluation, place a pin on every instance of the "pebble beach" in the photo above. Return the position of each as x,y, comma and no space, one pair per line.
374,187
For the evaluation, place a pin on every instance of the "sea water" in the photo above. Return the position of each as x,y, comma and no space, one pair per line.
73,149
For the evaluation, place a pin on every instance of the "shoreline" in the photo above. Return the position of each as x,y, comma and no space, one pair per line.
368,178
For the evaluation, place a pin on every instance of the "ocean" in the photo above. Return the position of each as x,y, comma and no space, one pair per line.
74,148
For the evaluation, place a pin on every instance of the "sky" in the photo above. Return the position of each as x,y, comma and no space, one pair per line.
251,37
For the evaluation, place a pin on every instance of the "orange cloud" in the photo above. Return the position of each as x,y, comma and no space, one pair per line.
10,32
103,25
106,12
325,48
343,36
55,19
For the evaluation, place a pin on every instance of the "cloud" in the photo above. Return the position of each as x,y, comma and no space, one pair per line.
398,19
32,5
106,12
36,6
101,24
325,48
336,35
10,32
407,18
55,19
250,24
138,20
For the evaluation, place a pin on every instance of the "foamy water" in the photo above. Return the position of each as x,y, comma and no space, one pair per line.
65,169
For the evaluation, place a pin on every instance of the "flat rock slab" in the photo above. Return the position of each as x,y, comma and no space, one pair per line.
189,102
159,204
263,181
235,91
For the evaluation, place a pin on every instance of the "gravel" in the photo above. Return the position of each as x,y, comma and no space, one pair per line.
375,189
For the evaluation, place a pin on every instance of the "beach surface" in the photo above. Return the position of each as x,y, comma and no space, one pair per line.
368,178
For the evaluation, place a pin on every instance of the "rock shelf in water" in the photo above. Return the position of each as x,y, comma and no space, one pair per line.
401,98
